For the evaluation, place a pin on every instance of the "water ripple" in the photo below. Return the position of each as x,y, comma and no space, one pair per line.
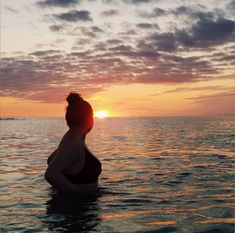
159,175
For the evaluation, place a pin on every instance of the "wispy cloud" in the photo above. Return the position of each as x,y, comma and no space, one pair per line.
74,16
111,12
10,9
195,89
217,95
137,1
57,3
56,28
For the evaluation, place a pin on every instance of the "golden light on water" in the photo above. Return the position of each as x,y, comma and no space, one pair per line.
101,114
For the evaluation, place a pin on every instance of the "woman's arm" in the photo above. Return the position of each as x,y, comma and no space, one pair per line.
64,159
51,157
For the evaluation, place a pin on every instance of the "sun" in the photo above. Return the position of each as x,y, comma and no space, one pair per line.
101,114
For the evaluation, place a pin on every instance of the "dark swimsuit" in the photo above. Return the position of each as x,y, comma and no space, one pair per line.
90,171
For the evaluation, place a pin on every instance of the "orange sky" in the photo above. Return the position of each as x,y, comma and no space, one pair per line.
154,59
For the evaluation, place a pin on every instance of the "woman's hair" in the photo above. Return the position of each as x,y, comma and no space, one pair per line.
78,112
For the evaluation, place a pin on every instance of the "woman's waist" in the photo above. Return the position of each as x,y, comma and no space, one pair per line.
91,188
87,186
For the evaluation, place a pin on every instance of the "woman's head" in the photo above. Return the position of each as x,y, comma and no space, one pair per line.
78,112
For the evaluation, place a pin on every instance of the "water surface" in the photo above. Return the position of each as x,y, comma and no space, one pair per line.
159,175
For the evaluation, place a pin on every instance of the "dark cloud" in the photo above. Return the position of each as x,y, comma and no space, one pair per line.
144,45
126,50
230,58
45,53
96,29
57,3
156,12
81,41
56,28
204,33
74,16
207,32
114,41
91,32
87,32
184,38
147,54
145,25
109,1
195,13
128,32
210,30
164,41
184,10
231,6
111,12
138,1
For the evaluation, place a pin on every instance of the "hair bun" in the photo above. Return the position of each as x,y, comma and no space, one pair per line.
73,98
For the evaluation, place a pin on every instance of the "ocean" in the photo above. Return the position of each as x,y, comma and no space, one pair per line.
159,175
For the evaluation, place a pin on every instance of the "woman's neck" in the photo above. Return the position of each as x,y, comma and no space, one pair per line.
77,131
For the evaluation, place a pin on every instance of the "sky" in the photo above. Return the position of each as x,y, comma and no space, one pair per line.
127,57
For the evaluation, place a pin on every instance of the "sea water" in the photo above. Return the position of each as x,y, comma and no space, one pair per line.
159,175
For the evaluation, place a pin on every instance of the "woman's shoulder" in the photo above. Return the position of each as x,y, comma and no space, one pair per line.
71,144
69,140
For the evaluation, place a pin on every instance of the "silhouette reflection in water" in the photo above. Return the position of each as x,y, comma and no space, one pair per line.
72,212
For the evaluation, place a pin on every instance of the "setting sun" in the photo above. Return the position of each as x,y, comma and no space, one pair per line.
101,114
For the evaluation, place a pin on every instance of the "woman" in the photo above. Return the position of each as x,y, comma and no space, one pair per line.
71,167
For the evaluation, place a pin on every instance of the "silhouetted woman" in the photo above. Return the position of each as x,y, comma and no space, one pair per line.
72,167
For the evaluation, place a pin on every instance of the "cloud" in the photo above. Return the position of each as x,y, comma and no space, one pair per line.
163,41
156,12
126,50
34,76
114,41
207,28
138,1
193,45
231,6
230,58
74,16
36,79
40,73
207,32
194,89
204,33
144,25
214,104
56,28
112,12
45,53
96,29
217,95
10,9
57,3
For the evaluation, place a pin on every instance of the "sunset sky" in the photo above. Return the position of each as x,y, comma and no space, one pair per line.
127,57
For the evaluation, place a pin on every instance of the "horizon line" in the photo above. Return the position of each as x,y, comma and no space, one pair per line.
167,116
